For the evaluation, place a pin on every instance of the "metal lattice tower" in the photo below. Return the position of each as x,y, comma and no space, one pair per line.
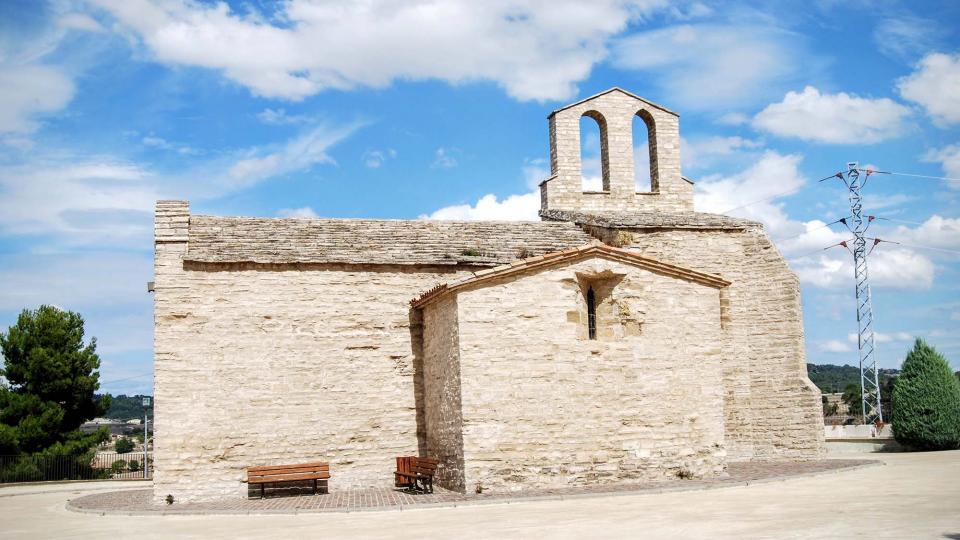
869,381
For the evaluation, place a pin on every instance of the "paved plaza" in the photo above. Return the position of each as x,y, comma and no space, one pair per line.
913,495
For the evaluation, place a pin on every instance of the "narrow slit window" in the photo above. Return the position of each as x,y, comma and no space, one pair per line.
591,314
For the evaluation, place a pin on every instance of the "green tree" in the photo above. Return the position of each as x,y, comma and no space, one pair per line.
51,377
123,445
854,400
926,401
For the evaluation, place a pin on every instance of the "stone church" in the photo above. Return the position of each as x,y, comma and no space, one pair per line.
624,338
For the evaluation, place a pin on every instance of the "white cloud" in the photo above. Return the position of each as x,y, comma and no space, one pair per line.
733,119
949,159
710,65
103,199
534,172
935,86
880,337
443,160
833,118
936,231
834,346
304,213
891,267
906,37
74,280
534,51
703,152
80,21
751,193
297,154
29,91
281,117
374,159
514,208
159,142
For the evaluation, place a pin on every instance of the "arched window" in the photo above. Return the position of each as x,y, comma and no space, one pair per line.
645,152
591,314
594,157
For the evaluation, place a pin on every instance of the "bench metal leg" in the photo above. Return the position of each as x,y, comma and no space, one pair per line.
261,490
314,486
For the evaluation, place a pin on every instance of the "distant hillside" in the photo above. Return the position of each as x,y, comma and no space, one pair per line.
830,378
125,407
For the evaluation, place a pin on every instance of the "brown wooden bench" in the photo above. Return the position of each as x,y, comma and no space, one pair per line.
269,474
412,470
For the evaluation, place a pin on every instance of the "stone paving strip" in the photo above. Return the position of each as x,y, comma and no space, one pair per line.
140,502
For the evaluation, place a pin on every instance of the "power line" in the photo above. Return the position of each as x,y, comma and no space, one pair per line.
916,246
872,171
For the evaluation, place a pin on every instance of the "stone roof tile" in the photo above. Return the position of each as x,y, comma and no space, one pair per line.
652,220
367,241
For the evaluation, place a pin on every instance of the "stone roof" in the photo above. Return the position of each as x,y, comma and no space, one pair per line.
367,241
615,89
594,249
652,220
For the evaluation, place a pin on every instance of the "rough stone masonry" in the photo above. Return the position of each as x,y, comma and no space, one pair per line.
622,339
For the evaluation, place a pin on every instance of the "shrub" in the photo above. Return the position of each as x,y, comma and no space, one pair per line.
134,465
926,401
118,466
123,445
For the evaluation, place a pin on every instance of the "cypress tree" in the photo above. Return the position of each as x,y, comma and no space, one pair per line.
926,401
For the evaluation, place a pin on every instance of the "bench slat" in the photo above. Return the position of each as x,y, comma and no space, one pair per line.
315,464
287,470
287,478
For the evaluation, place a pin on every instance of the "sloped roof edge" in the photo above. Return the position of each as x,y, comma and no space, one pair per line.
593,249
615,89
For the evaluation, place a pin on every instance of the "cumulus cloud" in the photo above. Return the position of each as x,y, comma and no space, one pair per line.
894,268
701,66
514,208
833,118
304,213
935,86
534,51
936,231
751,193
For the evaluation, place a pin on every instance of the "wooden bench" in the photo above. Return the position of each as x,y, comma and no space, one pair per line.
411,470
269,474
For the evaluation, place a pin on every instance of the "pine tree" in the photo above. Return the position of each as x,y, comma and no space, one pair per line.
926,401
51,377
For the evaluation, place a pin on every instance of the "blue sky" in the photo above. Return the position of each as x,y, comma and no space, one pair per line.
429,109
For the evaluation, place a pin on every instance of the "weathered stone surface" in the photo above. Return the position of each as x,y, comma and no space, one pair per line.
614,111
284,340
369,241
543,406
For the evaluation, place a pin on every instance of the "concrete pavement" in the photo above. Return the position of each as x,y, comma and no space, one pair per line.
915,495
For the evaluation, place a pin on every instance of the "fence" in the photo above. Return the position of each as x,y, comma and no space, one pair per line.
89,466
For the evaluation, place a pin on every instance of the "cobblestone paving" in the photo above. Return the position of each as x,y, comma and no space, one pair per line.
140,501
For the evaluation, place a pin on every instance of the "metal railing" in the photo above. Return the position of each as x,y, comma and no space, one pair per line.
89,466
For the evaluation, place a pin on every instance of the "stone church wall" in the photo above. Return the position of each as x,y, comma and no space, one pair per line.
443,418
772,409
543,406
257,366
